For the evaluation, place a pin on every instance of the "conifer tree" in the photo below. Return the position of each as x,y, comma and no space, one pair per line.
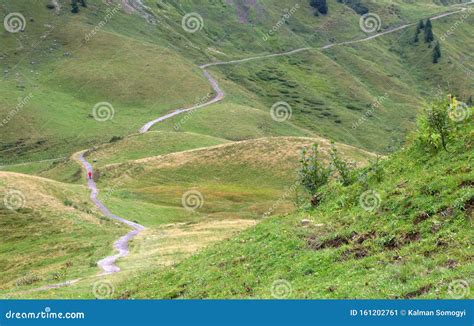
421,25
75,7
429,37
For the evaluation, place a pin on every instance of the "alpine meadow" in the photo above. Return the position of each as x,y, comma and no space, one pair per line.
236,149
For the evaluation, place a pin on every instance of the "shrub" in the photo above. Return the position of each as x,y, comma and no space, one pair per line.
435,128
355,5
28,280
341,166
313,174
115,139
436,52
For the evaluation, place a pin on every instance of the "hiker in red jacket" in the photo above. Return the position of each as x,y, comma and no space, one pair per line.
90,175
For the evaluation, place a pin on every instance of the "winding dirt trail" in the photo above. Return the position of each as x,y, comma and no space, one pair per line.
107,264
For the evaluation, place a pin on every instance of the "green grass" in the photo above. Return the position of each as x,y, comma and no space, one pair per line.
141,80
414,244
56,236
330,91
236,180
147,70
149,144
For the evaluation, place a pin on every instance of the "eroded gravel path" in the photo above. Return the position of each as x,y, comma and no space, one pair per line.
108,264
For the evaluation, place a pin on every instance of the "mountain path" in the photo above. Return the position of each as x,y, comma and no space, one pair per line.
220,94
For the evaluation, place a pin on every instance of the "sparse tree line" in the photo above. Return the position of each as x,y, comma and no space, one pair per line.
428,37
321,6
74,5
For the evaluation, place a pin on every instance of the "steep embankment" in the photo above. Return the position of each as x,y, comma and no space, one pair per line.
403,230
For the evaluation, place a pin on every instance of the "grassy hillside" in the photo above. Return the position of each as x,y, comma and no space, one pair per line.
145,70
232,159
50,232
349,93
64,77
246,25
149,144
238,182
409,237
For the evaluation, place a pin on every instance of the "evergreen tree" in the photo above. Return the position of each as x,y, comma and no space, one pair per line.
320,5
75,7
429,37
416,38
83,3
421,25
436,53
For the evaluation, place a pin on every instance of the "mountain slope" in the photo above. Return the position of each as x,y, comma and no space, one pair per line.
145,69
50,232
409,236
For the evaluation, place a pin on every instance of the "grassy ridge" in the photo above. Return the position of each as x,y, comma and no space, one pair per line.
52,236
236,180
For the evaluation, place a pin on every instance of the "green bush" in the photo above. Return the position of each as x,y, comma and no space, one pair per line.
342,167
435,128
313,174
